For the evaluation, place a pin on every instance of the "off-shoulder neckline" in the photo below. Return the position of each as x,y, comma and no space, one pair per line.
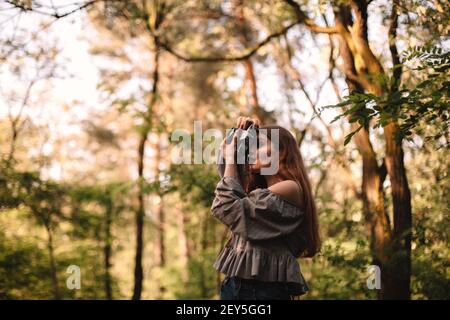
276,195
281,198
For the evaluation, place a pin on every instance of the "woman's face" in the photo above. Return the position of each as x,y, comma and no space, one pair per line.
262,154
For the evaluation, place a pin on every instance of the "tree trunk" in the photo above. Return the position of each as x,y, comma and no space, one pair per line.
401,195
51,255
183,244
12,146
253,94
140,213
250,79
374,210
204,247
372,190
160,221
401,201
107,249
397,270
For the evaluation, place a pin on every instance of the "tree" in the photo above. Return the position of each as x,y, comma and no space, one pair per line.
44,201
363,69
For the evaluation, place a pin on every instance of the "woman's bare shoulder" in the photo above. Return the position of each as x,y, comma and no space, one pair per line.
289,190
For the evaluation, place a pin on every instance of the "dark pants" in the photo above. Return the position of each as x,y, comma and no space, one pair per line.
236,288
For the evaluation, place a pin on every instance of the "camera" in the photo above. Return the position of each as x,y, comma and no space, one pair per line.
245,151
244,140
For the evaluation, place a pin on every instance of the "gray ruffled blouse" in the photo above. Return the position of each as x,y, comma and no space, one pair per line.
266,240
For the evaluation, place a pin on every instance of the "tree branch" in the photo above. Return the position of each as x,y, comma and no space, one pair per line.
392,35
54,14
242,57
303,18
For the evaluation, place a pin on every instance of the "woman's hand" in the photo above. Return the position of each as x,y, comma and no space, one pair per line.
228,150
245,122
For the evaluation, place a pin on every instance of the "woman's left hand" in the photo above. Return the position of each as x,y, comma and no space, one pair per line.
228,149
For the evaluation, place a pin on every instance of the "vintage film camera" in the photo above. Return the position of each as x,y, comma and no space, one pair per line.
246,146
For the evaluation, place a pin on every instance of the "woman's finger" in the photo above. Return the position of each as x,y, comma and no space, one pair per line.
239,122
248,122
245,122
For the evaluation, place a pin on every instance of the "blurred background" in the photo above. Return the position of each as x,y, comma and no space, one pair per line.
91,91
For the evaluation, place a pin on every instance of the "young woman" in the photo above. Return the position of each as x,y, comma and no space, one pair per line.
272,219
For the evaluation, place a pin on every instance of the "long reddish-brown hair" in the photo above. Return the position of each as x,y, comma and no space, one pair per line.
292,167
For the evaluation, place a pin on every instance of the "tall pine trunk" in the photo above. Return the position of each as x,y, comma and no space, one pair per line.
139,220
107,248
140,212
160,221
183,243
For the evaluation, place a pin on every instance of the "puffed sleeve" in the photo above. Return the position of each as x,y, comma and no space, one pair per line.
260,215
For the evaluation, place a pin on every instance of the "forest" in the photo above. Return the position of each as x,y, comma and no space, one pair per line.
95,94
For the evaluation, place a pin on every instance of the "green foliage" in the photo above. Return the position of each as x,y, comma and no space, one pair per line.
45,200
24,271
202,277
90,204
42,198
339,270
425,102
340,273
195,183
431,224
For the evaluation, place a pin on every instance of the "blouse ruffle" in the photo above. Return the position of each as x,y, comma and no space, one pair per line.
260,264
